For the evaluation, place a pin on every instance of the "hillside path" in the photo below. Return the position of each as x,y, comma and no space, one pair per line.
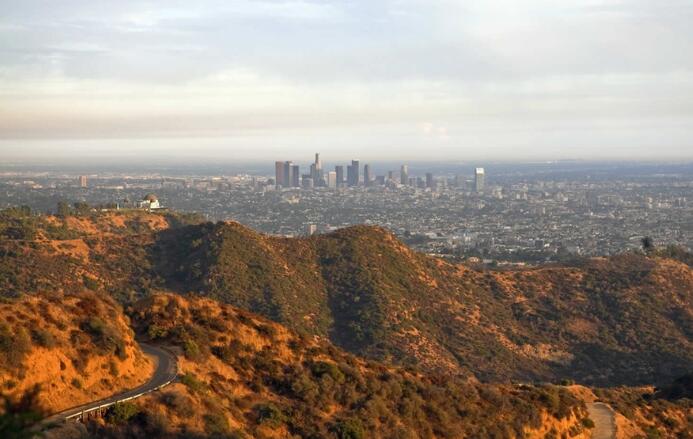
604,422
165,372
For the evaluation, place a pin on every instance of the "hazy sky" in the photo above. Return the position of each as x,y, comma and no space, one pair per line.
373,79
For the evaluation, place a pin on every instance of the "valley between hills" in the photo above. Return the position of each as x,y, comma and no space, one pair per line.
349,334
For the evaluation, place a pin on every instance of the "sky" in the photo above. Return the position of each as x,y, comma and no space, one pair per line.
439,80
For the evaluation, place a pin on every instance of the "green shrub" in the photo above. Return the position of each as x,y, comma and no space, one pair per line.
121,412
587,423
349,429
43,338
193,383
269,414
155,331
14,345
192,349
113,368
105,337
216,423
90,283
179,403
321,368
267,330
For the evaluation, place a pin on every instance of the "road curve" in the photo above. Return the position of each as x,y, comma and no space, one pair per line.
165,372
604,422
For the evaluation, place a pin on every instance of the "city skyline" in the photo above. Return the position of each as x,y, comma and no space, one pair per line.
288,175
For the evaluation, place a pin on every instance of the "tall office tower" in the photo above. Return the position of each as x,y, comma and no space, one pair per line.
316,171
430,183
391,175
318,163
295,176
367,177
404,175
380,180
479,180
278,174
286,181
339,172
82,181
332,179
353,173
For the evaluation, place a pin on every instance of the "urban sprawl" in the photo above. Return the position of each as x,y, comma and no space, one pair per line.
501,218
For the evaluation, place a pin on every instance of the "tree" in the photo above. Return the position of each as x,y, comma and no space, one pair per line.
20,416
82,208
121,412
63,209
647,244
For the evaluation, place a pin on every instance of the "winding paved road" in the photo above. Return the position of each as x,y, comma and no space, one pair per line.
604,422
164,374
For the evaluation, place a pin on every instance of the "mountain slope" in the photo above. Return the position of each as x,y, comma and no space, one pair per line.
625,319
622,320
77,347
244,375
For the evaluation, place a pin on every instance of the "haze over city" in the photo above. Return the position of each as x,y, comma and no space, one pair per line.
212,81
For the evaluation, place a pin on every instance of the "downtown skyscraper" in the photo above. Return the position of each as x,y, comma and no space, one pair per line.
404,175
479,180
353,175
367,175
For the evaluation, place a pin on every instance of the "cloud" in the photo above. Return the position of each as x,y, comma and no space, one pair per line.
497,72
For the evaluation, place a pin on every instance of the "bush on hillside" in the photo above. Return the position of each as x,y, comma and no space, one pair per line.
15,344
105,337
121,412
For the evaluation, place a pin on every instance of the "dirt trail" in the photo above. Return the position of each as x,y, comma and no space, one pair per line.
604,422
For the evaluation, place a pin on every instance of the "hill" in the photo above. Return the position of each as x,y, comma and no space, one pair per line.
245,376
76,347
621,320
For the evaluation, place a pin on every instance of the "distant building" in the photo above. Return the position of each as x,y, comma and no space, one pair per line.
279,174
367,176
150,202
404,175
295,176
307,181
339,175
316,171
430,182
287,180
82,181
353,176
311,229
479,180
332,179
